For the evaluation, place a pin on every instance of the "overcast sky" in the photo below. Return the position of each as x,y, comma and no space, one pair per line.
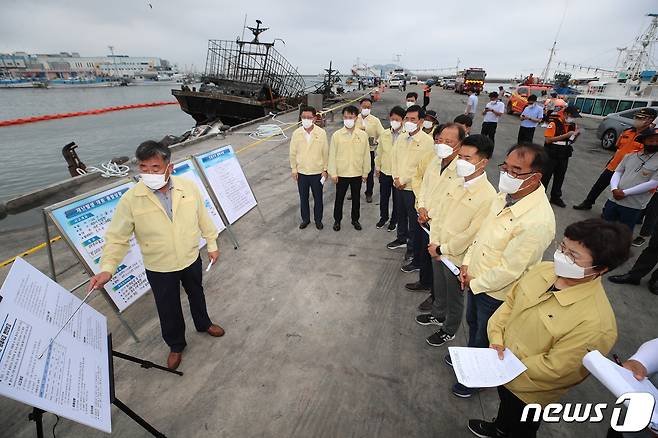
505,37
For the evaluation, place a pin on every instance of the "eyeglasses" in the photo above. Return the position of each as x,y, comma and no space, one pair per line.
570,254
503,168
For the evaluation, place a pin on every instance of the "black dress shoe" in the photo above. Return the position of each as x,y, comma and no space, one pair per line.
416,287
319,225
558,201
624,279
336,226
426,305
303,225
381,223
653,287
583,206
357,225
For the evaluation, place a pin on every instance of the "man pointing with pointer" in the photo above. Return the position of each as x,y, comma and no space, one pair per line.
168,216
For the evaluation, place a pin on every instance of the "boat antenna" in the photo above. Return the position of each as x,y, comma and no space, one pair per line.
257,30
550,57
244,26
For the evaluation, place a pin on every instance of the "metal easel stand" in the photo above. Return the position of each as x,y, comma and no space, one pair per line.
229,230
51,259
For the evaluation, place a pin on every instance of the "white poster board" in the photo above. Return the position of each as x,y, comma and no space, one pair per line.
83,222
186,169
72,378
228,182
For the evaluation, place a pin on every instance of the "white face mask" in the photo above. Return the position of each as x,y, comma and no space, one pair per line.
567,268
409,104
365,112
349,123
427,124
307,123
395,125
410,127
464,168
154,181
508,184
570,120
443,150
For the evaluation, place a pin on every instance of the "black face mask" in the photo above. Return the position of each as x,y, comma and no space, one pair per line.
651,149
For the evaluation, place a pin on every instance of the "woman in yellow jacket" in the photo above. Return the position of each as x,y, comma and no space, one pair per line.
551,318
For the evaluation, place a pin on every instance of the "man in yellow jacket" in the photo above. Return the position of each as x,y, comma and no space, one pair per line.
456,210
309,159
374,129
383,170
349,164
518,229
168,216
552,317
410,149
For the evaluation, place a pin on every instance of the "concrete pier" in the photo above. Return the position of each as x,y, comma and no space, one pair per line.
321,339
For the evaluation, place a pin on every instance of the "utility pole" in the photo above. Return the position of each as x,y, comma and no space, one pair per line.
457,68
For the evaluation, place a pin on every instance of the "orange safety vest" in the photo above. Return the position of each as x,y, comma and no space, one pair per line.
626,144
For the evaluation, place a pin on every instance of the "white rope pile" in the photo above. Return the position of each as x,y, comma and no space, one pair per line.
108,170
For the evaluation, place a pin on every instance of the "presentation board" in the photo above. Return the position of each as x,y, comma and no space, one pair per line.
227,180
186,169
83,221
72,378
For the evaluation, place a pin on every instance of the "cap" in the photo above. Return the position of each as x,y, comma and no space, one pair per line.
572,111
646,134
646,113
553,94
432,114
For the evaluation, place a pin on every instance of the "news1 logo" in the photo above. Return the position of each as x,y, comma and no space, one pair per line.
639,408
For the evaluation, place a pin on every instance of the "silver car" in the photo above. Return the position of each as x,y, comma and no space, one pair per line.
611,127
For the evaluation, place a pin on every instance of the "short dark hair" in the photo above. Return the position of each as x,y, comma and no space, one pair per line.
608,242
308,108
532,98
364,99
482,143
412,94
493,94
543,92
152,148
398,111
460,130
464,120
416,109
539,159
350,109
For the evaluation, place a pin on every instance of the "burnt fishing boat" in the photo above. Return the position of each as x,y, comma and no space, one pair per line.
243,80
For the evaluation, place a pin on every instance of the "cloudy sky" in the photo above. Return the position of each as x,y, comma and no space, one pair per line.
505,37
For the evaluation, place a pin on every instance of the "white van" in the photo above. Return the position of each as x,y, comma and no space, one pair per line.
413,80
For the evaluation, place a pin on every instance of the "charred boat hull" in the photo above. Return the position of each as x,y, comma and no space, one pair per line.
231,110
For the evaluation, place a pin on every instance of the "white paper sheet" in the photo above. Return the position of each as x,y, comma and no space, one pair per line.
481,367
618,379
72,377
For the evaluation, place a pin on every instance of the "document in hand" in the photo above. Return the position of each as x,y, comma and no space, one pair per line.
618,379
450,265
481,367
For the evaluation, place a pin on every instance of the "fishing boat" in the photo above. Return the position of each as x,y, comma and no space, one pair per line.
243,80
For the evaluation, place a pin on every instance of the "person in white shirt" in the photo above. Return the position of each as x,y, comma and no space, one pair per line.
471,104
492,112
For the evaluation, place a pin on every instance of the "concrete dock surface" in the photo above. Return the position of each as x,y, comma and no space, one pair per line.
320,338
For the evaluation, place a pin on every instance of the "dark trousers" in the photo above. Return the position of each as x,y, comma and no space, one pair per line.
508,419
354,184
312,182
166,291
650,214
448,303
422,257
426,101
386,191
489,129
370,181
479,309
526,135
407,217
614,212
647,260
599,186
556,167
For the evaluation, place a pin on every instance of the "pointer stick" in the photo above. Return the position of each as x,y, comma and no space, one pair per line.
66,323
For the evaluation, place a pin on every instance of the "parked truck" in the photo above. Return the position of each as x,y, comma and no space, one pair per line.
470,79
